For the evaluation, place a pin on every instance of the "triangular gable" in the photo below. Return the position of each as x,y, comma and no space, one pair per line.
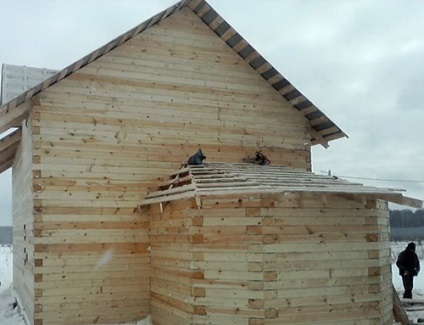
323,129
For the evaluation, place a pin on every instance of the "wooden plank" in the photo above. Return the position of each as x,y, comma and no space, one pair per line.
10,139
98,305
167,113
399,313
404,200
22,221
13,116
86,315
4,165
8,147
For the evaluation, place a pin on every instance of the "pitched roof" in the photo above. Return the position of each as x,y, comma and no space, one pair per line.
323,129
224,179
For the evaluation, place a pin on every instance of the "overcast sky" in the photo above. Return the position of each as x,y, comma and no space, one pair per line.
360,62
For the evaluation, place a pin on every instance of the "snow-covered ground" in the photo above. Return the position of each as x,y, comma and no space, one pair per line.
8,314
418,291
11,314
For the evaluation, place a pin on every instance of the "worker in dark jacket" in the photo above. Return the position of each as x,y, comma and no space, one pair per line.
409,266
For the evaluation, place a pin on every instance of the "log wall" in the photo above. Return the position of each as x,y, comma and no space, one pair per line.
289,259
173,278
23,222
104,135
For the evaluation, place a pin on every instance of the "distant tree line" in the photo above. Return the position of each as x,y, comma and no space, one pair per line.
406,218
6,235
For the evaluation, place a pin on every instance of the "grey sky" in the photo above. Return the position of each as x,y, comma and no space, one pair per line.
359,61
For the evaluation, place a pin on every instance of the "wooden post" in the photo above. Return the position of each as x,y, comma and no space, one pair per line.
399,313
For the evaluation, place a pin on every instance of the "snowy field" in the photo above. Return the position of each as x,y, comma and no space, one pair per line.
11,314
418,291
8,314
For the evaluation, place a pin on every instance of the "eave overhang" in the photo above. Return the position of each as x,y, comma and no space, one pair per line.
221,179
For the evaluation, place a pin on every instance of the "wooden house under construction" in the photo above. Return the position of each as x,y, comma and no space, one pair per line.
229,243
251,244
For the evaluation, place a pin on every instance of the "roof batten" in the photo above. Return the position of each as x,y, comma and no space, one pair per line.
323,126
246,51
226,179
222,28
292,94
314,115
269,73
281,84
235,39
210,16
302,105
199,7
258,62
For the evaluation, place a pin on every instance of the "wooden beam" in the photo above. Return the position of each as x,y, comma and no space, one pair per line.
403,200
318,139
6,165
8,146
10,139
11,115
412,202
399,313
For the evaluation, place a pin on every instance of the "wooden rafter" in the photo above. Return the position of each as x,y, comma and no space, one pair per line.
8,146
11,115
224,178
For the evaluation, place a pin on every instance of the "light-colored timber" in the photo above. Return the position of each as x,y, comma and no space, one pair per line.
194,46
399,313
226,243
267,257
8,148
252,244
221,179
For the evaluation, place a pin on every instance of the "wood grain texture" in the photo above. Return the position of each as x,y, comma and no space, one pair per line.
245,262
98,140
105,135
23,236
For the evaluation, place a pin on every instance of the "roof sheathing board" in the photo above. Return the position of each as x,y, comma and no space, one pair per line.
227,179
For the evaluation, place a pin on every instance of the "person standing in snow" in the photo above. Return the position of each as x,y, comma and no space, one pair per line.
409,266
